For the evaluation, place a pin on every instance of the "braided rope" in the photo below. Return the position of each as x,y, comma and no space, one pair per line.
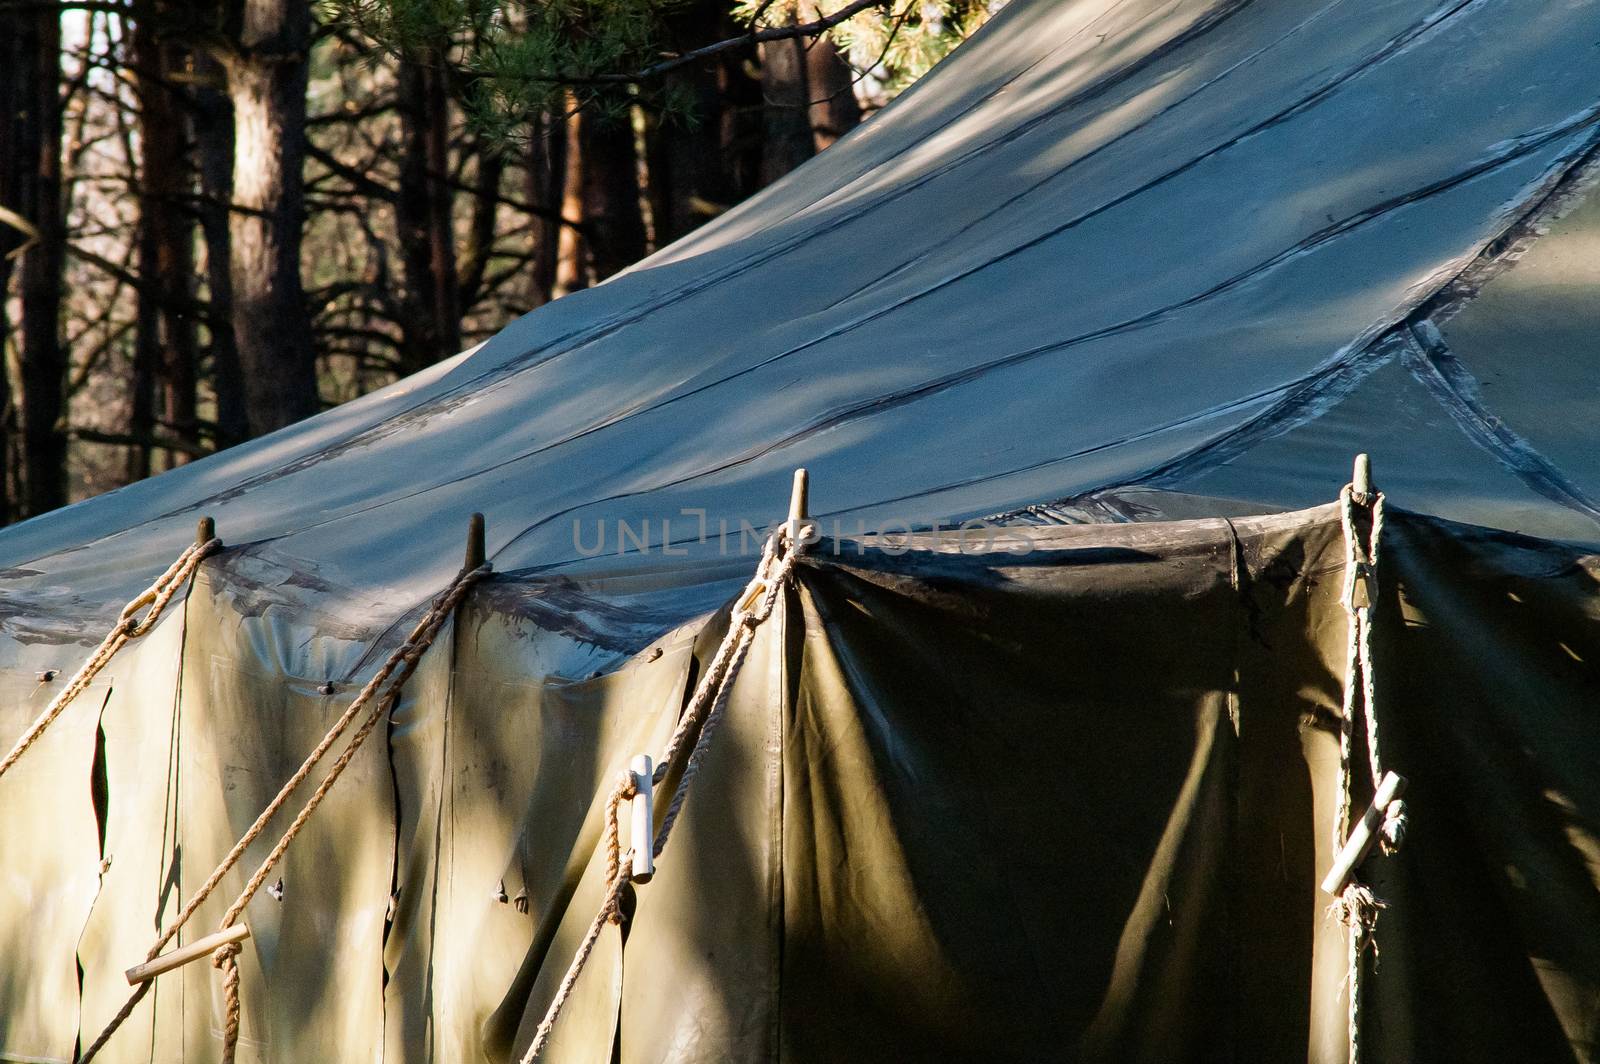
129,626
226,961
1357,907
624,790
710,701
389,680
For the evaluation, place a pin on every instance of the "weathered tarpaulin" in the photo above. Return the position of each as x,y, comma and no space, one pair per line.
1115,260
1067,804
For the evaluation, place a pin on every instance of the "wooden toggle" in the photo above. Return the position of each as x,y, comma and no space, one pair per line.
757,593
200,947
205,531
1364,834
641,822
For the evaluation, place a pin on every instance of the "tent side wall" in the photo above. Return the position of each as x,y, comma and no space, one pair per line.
1069,802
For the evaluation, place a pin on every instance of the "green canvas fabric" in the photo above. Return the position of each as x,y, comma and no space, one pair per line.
311,974
1072,804
140,816
502,789
1080,801
1076,805
50,855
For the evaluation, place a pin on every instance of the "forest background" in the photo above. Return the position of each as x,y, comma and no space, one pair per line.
219,217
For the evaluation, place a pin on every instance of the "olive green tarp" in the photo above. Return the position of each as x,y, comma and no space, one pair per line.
1069,804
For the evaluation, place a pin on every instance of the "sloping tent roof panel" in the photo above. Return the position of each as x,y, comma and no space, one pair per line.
1529,341
1367,420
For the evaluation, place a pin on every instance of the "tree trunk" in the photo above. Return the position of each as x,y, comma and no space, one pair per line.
213,134
267,84
546,176
808,99
16,86
481,231
165,348
424,214
834,110
613,223
786,109
571,274
742,132
34,142
690,178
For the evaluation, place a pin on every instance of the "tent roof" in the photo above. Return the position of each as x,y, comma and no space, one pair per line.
1134,258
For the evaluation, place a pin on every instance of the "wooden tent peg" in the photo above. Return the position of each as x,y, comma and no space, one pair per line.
205,531
200,947
1361,479
641,819
799,504
476,554
1364,834
798,495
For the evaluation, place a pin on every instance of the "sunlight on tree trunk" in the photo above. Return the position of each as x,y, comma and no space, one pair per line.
267,83
571,274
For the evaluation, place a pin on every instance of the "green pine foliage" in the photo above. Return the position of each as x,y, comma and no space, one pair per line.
519,58
889,46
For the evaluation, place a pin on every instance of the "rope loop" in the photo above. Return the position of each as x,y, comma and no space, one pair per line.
625,789
128,627
1361,556
1357,907
226,961
224,955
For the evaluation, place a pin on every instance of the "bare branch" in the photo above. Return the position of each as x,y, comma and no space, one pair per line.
141,439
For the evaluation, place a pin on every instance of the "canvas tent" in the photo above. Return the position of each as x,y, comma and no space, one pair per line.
1155,270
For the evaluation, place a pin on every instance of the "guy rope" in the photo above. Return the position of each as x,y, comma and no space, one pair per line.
1385,821
705,710
378,698
129,627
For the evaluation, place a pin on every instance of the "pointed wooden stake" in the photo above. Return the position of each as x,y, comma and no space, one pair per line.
798,497
476,554
800,532
1361,480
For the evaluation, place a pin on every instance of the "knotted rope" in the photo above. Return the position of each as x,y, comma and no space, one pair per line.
129,626
705,711
381,692
1357,907
226,961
